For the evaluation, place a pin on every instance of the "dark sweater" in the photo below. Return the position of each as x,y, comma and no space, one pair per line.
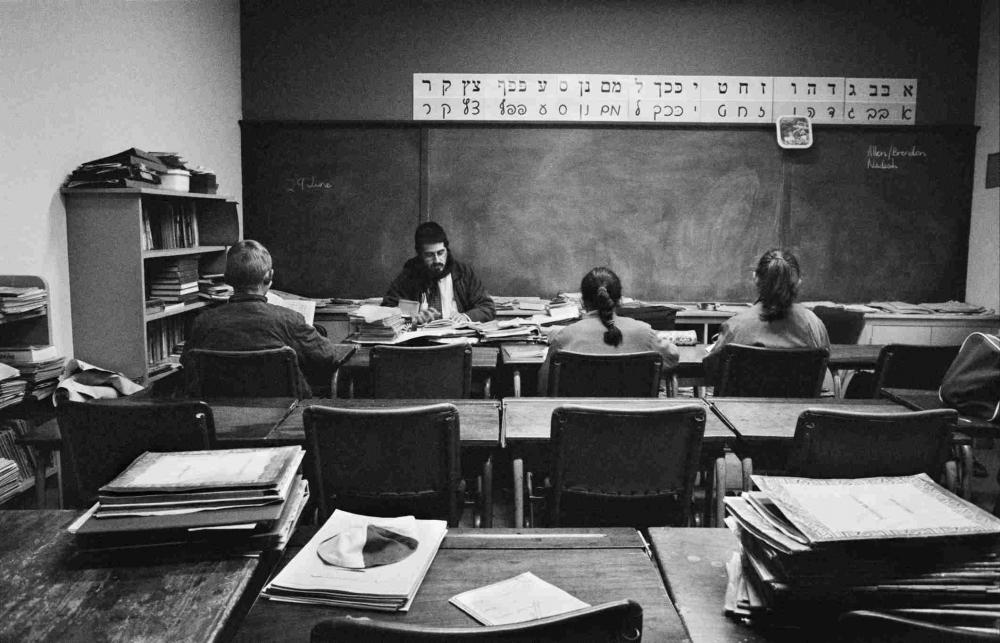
470,295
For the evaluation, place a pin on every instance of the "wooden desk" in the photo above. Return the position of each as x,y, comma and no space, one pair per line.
52,591
692,562
921,400
612,564
484,361
528,420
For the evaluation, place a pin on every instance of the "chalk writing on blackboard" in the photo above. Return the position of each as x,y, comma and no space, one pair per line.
662,98
889,157
306,183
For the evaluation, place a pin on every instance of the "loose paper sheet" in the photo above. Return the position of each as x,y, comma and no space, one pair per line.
525,597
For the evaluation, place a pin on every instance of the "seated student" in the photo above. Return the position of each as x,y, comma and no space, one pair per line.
248,322
445,287
601,330
775,320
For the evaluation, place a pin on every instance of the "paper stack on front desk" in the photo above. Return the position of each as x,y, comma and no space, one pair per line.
323,573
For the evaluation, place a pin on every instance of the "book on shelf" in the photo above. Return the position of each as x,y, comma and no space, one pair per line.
28,353
9,479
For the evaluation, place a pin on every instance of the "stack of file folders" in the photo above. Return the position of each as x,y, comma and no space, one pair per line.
240,499
9,479
813,548
375,323
130,168
312,577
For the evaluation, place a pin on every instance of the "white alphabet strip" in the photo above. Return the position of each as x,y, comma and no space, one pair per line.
662,98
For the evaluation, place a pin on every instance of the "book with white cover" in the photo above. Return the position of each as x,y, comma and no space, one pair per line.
308,579
524,597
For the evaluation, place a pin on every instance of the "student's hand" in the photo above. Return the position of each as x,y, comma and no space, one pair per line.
459,318
424,316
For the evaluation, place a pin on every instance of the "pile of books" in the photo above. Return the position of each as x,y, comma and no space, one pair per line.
312,579
40,370
376,323
9,480
177,281
506,331
242,499
129,168
213,288
12,385
24,466
16,300
811,548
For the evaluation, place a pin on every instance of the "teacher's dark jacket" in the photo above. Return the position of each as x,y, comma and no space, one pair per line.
248,322
470,295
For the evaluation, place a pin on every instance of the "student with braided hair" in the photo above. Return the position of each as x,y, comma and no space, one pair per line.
775,320
601,330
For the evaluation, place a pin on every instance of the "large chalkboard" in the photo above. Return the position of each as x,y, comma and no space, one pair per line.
336,206
679,213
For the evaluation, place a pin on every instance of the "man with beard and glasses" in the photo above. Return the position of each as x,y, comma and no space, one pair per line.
445,287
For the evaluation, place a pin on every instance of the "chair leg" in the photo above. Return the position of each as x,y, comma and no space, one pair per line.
731,475
518,476
951,477
487,492
965,471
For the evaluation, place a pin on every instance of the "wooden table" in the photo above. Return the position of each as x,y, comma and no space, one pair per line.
52,591
692,562
594,565
528,420
484,361
921,400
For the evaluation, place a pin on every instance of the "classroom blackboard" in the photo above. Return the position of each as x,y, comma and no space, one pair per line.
335,206
680,213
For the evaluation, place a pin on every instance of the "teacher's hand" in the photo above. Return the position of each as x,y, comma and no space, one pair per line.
424,316
459,318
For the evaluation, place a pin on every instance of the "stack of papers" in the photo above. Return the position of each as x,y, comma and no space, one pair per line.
12,385
309,579
253,496
376,323
510,330
24,466
14,300
214,288
9,479
811,545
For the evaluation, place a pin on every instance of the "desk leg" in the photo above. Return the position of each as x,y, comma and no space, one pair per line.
487,499
518,472
517,382
966,472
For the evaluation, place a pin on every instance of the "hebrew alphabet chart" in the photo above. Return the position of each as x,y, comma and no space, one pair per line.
666,99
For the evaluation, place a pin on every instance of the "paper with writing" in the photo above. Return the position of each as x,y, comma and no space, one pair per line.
524,597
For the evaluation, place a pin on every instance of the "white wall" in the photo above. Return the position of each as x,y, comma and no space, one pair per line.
984,232
81,79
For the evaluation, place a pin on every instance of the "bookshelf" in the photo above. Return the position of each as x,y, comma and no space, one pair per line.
119,240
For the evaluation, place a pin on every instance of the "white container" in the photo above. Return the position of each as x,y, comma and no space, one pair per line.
177,180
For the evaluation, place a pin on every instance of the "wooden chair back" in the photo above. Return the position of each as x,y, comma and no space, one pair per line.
422,372
756,371
385,462
605,375
842,326
269,372
910,366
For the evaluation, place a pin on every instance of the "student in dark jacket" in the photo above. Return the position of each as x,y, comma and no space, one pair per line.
247,322
443,286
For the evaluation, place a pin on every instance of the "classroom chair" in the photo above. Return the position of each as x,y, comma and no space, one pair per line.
832,443
614,621
605,375
416,372
904,366
100,438
869,626
386,462
626,468
756,371
842,326
658,317
269,372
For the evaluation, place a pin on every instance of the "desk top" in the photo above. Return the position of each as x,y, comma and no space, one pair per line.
594,574
530,418
483,358
478,420
921,400
52,591
775,419
693,565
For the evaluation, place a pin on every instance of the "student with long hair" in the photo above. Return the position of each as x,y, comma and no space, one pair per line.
601,330
775,320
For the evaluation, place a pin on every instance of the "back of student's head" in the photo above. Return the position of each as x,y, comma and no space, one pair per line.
777,275
248,265
602,290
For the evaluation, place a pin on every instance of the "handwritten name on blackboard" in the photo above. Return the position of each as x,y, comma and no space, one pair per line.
886,157
306,183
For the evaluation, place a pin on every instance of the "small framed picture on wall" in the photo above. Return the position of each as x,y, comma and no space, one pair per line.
794,132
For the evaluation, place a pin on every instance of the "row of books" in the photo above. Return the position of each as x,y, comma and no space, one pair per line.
811,548
245,500
165,340
167,225
10,450
9,480
16,300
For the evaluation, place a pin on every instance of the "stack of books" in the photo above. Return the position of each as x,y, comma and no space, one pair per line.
39,366
177,281
506,331
12,385
811,548
9,479
129,168
18,300
24,466
312,579
376,323
213,288
243,499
